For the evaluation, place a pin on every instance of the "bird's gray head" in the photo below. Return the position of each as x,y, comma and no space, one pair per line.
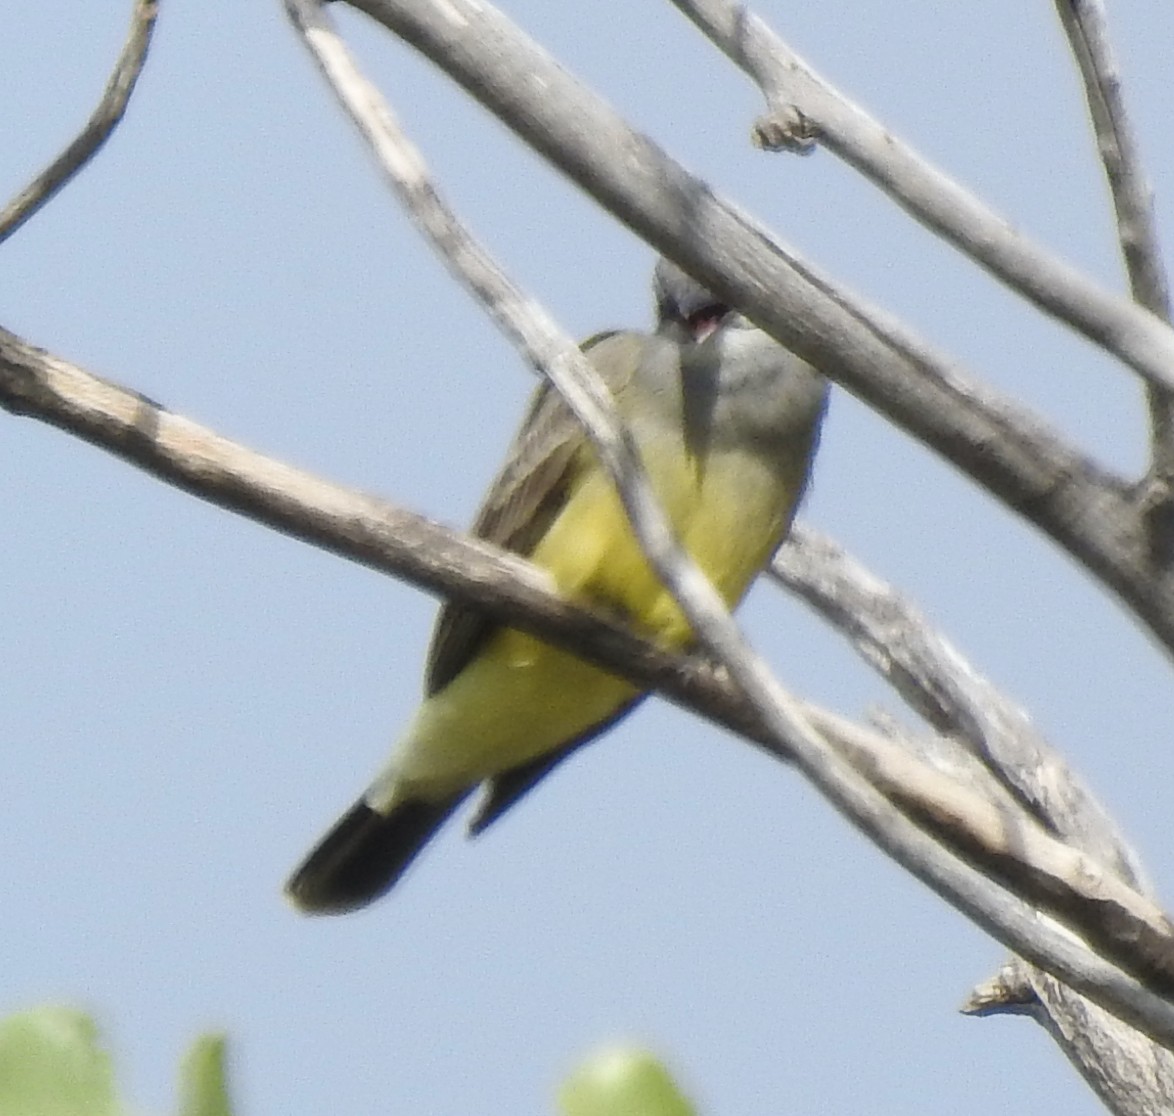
731,364
685,310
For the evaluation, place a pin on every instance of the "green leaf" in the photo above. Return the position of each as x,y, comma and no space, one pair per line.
52,1064
203,1085
622,1082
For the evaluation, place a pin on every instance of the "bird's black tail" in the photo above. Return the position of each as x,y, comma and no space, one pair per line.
364,854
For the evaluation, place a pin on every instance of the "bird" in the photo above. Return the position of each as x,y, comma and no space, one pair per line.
727,422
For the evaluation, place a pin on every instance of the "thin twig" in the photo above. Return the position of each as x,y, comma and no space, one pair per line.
98,128
525,323
795,93
1086,25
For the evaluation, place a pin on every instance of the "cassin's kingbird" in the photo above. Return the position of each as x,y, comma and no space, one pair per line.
726,421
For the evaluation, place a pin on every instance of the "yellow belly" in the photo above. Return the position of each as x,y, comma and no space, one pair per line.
521,698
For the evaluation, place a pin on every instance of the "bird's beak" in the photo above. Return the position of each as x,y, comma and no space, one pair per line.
704,323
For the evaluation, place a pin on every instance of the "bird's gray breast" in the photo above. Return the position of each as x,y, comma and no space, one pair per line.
742,390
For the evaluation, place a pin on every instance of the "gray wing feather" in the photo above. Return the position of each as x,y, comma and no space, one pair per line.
525,497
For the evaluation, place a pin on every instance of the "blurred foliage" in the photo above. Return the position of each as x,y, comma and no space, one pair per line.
53,1063
622,1082
203,1085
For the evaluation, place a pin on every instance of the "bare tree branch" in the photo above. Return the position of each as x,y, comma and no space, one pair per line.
1132,1075
364,529
98,128
801,101
1005,869
941,686
174,448
540,341
914,850
1008,992
960,819
1012,848
1085,24
358,527
1015,456
526,324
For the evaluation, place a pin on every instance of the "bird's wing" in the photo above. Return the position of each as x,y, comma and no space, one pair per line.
507,787
526,496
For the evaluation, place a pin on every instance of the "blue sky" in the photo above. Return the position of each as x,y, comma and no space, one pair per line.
186,698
